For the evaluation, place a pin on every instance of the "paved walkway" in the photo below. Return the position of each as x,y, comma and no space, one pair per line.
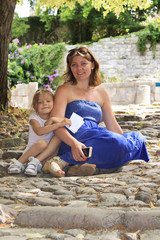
120,204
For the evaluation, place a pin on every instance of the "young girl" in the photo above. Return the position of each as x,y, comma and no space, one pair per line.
42,143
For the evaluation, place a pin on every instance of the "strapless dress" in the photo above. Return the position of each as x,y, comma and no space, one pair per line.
110,149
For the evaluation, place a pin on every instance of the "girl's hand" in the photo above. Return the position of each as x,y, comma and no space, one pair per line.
66,121
77,152
62,121
49,122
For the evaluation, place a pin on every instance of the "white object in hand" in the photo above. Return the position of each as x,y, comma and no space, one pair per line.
77,122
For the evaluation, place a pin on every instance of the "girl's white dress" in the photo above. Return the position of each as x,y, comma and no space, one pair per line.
33,137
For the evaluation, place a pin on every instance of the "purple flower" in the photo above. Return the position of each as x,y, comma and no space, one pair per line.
40,44
28,46
19,81
20,49
55,75
16,40
32,77
47,85
22,62
51,80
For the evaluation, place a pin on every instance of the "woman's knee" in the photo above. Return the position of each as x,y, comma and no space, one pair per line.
41,145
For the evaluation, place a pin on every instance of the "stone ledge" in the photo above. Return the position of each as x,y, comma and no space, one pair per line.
88,218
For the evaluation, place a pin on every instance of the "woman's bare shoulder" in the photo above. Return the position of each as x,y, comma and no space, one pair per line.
102,91
62,88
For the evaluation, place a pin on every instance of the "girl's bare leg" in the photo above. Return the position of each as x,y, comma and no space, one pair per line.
51,149
34,150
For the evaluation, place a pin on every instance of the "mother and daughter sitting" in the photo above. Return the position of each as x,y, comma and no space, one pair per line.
53,142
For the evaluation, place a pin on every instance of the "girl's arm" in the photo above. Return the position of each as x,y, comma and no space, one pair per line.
48,128
63,121
108,116
61,100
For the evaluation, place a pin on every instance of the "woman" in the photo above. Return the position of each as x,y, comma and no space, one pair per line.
82,93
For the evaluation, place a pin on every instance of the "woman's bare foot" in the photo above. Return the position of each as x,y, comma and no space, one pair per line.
55,166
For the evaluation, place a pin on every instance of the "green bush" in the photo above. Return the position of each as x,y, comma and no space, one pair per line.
19,26
151,35
34,63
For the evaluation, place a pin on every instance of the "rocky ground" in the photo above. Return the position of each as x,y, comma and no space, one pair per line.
119,204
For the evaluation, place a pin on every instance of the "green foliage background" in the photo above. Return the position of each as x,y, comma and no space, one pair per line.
47,33
151,35
82,24
34,63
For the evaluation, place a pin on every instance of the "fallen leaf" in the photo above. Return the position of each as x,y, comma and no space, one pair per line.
80,236
4,225
34,235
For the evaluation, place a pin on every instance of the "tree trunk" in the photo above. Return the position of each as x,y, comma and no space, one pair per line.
7,8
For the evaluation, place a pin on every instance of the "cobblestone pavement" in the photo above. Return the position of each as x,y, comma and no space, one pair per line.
116,204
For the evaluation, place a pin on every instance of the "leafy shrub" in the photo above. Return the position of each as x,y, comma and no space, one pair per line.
34,63
19,26
150,34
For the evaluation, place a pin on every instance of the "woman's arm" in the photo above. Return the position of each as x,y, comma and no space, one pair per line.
61,100
108,116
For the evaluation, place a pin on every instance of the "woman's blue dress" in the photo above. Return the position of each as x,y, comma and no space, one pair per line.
110,149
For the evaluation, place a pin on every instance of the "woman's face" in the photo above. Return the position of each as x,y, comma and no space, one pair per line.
81,68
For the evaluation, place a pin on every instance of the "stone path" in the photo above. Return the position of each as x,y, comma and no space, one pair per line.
119,204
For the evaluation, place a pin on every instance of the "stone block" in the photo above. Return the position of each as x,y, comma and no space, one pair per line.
63,217
12,154
143,95
143,220
22,95
22,89
11,142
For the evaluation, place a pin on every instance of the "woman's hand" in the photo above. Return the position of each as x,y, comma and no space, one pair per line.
77,152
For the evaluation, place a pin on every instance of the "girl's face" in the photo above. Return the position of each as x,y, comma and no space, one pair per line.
44,104
81,68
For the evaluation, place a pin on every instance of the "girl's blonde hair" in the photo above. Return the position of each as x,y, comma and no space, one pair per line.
36,97
95,77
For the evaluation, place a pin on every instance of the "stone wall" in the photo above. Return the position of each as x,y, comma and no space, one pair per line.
138,92
129,77
134,75
119,58
120,93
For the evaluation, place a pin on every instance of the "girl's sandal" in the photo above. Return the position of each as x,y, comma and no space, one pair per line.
16,167
85,169
52,166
